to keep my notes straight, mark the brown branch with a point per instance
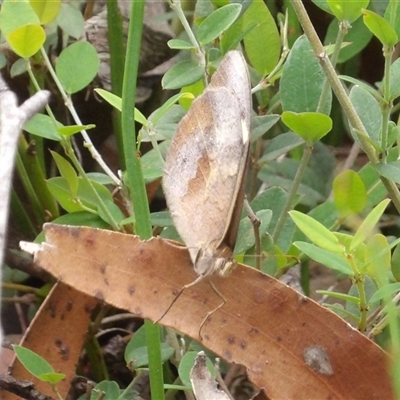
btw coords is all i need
(22, 388)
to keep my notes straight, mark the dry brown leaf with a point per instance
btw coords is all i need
(57, 333)
(291, 346)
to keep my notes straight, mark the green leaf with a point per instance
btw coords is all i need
(310, 126)
(325, 213)
(378, 256)
(261, 124)
(370, 89)
(70, 130)
(166, 126)
(81, 218)
(116, 102)
(325, 257)
(70, 20)
(373, 184)
(33, 363)
(47, 10)
(234, 35)
(385, 292)
(341, 296)
(349, 193)
(380, 28)
(59, 188)
(394, 20)
(18, 68)
(220, 3)
(152, 163)
(358, 37)
(262, 54)
(99, 177)
(302, 80)
(186, 365)
(345, 10)
(180, 44)
(76, 66)
(182, 74)
(51, 377)
(323, 5)
(368, 226)
(67, 171)
(368, 110)
(245, 238)
(106, 390)
(43, 126)
(160, 112)
(16, 13)
(136, 350)
(316, 232)
(389, 170)
(275, 198)
(218, 22)
(3, 61)
(114, 211)
(194, 90)
(395, 80)
(27, 39)
(280, 145)
(161, 218)
(395, 263)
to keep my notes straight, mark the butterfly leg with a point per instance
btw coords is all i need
(195, 282)
(212, 311)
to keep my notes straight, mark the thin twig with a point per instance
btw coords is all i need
(12, 119)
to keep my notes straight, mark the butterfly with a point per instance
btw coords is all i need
(206, 165)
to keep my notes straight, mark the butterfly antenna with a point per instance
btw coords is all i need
(213, 311)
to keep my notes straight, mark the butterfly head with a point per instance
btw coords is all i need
(209, 260)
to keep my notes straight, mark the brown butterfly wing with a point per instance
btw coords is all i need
(206, 162)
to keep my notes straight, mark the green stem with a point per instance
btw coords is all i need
(117, 60)
(37, 209)
(387, 106)
(293, 191)
(21, 217)
(127, 390)
(55, 390)
(37, 178)
(359, 281)
(177, 6)
(19, 287)
(96, 359)
(71, 155)
(135, 181)
(69, 151)
(392, 316)
(68, 103)
(343, 29)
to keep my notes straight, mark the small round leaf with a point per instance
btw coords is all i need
(76, 66)
(349, 193)
(27, 39)
(34, 363)
(218, 22)
(46, 10)
(310, 126)
(380, 28)
(182, 74)
(345, 10)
